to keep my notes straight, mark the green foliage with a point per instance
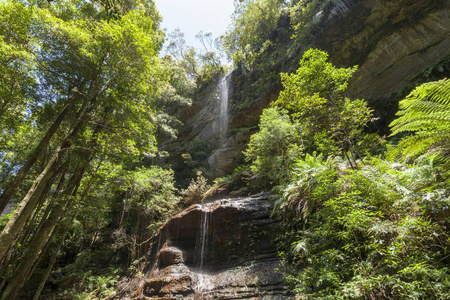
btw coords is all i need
(101, 286)
(150, 190)
(96, 61)
(426, 114)
(91, 281)
(314, 95)
(373, 235)
(201, 66)
(308, 17)
(309, 183)
(275, 147)
(16, 63)
(4, 219)
(15, 145)
(119, 59)
(194, 160)
(252, 25)
(303, 16)
(196, 190)
(210, 58)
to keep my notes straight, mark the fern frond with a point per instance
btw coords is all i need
(425, 112)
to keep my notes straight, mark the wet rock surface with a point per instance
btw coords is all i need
(220, 250)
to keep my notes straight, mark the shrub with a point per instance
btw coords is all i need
(275, 147)
(195, 192)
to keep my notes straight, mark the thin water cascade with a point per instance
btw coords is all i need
(220, 123)
(223, 111)
(205, 283)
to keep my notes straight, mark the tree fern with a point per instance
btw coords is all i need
(307, 174)
(426, 112)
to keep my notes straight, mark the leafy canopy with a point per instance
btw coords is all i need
(252, 25)
(314, 95)
(16, 63)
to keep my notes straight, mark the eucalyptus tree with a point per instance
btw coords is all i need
(98, 70)
(179, 53)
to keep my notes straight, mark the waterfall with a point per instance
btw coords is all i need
(205, 283)
(203, 238)
(223, 108)
(220, 123)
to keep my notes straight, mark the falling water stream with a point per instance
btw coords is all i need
(205, 283)
(223, 100)
(220, 124)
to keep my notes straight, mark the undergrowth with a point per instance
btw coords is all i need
(377, 232)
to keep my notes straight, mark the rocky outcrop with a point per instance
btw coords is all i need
(220, 250)
(400, 57)
(396, 44)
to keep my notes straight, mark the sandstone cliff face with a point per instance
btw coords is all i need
(221, 250)
(395, 44)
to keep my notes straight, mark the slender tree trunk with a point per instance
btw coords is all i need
(11, 257)
(19, 277)
(51, 264)
(32, 223)
(27, 206)
(17, 181)
(61, 242)
(39, 239)
(136, 237)
(30, 226)
(42, 253)
(348, 159)
(29, 202)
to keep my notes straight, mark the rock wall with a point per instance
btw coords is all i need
(220, 250)
(395, 44)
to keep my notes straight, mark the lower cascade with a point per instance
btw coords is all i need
(224, 249)
(205, 282)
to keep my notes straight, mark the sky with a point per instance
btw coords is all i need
(191, 16)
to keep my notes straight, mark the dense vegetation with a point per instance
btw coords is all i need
(358, 225)
(364, 217)
(88, 93)
(84, 100)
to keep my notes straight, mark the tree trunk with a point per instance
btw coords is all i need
(27, 206)
(31, 224)
(50, 265)
(39, 239)
(17, 181)
(42, 253)
(29, 202)
(61, 242)
(11, 257)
